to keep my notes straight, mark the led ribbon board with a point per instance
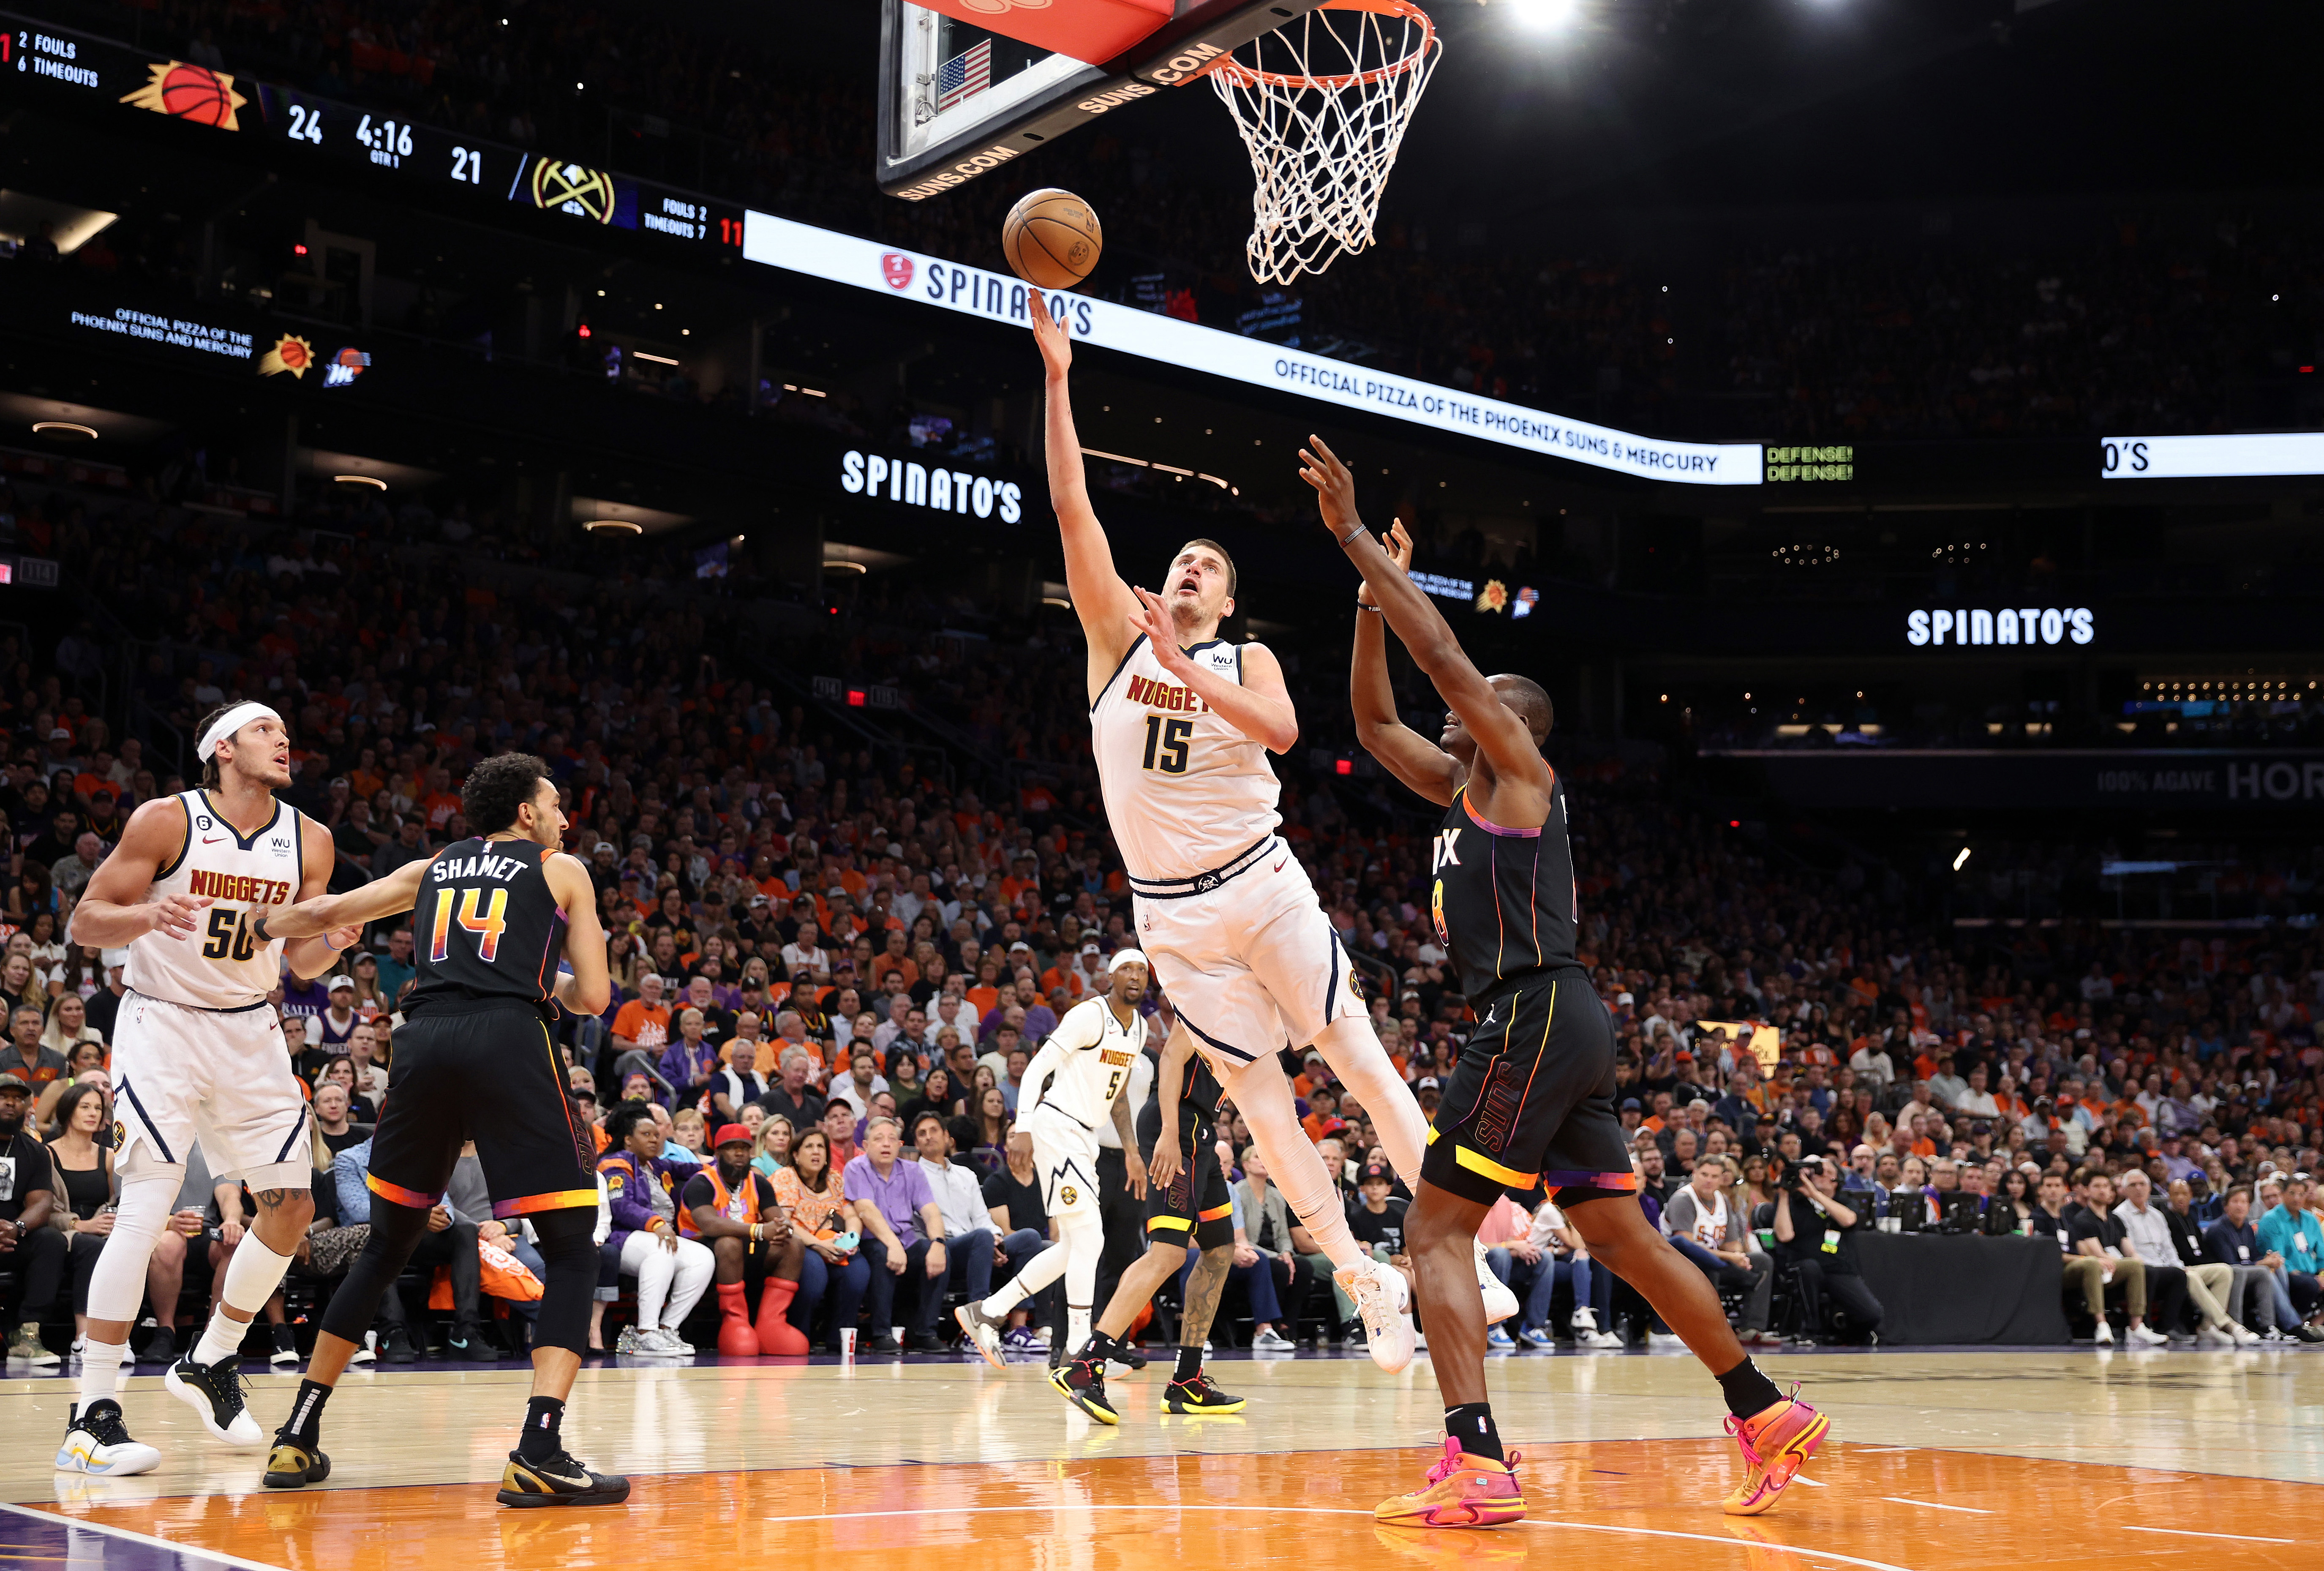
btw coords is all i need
(998, 297)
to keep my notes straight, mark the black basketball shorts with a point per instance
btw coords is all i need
(1532, 1096)
(1193, 1209)
(487, 1073)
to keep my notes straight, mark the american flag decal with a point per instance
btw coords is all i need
(964, 75)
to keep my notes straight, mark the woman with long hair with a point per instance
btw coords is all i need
(2013, 1205)
(993, 1121)
(68, 1026)
(79, 1060)
(19, 985)
(33, 891)
(1756, 1192)
(934, 1095)
(808, 1191)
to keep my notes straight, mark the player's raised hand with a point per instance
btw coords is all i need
(173, 915)
(1335, 488)
(1399, 551)
(1152, 618)
(1057, 343)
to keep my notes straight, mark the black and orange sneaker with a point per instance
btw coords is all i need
(1198, 1396)
(1082, 1384)
(559, 1480)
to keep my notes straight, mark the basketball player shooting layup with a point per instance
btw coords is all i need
(1181, 724)
(198, 1056)
(1077, 1079)
(497, 911)
(1533, 1094)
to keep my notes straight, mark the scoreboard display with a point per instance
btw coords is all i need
(40, 58)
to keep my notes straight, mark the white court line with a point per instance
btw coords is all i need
(1310, 1511)
(1811, 1483)
(2186, 1533)
(60, 1520)
(1936, 1506)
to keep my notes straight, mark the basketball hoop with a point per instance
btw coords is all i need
(1322, 105)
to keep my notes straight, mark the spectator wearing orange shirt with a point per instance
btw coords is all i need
(642, 1024)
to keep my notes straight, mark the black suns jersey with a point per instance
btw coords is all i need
(488, 925)
(1503, 900)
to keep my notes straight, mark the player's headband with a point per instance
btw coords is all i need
(227, 724)
(1127, 957)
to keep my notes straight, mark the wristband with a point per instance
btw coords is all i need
(258, 931)
(1373, 609)
(756, 1236)
(1349, 539)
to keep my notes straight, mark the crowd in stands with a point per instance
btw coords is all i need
(2142, 323)
(832, 956)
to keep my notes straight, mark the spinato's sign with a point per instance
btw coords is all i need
(2010, 624)
(929, 486)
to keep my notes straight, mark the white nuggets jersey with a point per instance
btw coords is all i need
(220, 965)
(1091, 1054)
(1185, 792)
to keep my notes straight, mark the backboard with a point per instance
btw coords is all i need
(966, 85)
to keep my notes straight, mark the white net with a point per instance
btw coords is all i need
(1322, 105)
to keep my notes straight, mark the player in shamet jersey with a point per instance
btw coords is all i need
(198, 1056)
(1076, 1080)
(1532, 1096)
(1181, 724)
(496, 914)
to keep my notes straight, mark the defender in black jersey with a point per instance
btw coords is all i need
(1186, 1200)
(1531, 1096)
(507, 934)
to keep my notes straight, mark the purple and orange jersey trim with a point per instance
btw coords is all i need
(1489, 826)
(1626, 1181)
(401, 1195)
(555, 1200)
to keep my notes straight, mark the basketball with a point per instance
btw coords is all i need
(1051, 238)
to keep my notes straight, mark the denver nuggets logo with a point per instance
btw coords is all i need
(120, 1135)
(1068, 1195)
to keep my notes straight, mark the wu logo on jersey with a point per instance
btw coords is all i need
(280, 842)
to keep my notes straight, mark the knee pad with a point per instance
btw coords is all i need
(149, 1192)
(569, 1258)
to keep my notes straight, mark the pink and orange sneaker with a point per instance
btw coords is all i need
(1777, 1443)
(1463, 1491)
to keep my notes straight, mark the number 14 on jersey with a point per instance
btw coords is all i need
(488, 918)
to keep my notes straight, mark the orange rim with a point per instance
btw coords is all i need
(1403, 9)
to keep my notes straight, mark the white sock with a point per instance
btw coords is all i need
(252, 1276)
(100, 1370)
(1077, 1327)
(1039, 1271)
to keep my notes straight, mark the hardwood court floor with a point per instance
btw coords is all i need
(1957, 1461)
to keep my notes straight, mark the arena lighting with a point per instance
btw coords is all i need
(1059, 601)
(1547, 15)
(361, 480)
(64, 428)
(844, 566)
(1961, 860)
(657, 359)
(614, 526)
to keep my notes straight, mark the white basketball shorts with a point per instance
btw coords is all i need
(1251, 965)
(1065, 1156)
(220, 1079)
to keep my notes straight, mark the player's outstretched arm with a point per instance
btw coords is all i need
(1259, 706)
(308, 957)
(1422, 765)
(588, 988)
(382, 897)
(1101, 599)
(1501, 733)
(113, 909)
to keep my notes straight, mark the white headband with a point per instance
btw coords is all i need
(1127, 957)
(232, 721)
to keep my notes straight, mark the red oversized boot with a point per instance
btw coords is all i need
(777, 1337)
(736, 1337)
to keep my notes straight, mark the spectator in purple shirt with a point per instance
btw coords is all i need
(690, 1059)
(903, 1236)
